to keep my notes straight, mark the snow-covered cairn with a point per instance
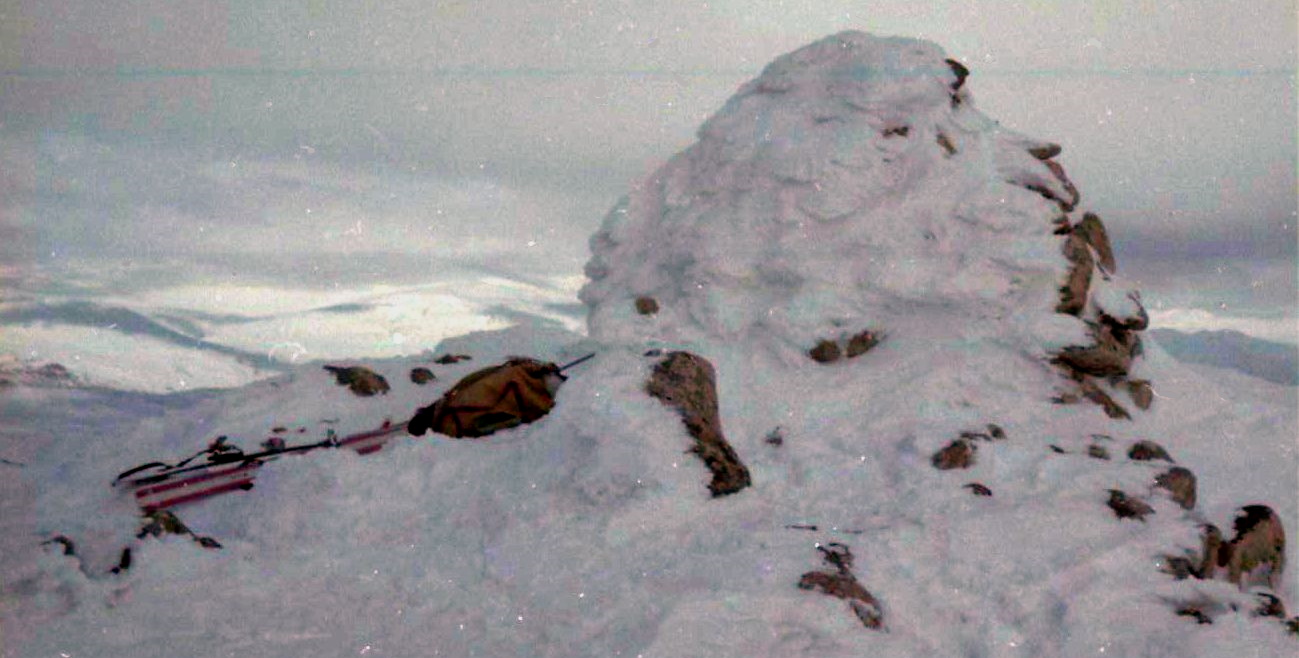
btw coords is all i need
(852, 185)
(852, 193)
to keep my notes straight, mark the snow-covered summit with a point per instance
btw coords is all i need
(850, 183)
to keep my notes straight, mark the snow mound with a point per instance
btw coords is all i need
(850, 183)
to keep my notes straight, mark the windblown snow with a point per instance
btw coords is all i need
(851, 186)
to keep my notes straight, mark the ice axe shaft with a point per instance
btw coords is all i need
(576, 362)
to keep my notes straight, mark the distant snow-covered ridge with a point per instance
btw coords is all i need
(1271, 361)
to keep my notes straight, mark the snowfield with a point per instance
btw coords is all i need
(591, 532)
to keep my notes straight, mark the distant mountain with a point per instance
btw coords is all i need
(1274, 362)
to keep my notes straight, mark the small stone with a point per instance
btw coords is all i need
(958, 454)
(946, 142)
(826, 351)
(1045, 151)
(1141, 393)
(997, 433)
(1269, 605)
(1180, 484)
(647, 305)
(978, 489)
(1148, 451)
(775, 437)
(1194, 613)
(861, 343)
(448, 359)
(898, 131)
(1098, 452)
(1127, 507)
(421, 376)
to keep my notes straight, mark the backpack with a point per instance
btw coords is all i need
(513, 393)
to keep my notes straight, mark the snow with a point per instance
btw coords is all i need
(591, 531)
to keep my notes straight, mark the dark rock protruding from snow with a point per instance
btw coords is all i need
(1257, 551)
(1180, 484)
(361, 380)
(1144, 451)
(841, 583)
(958, 454)
(687, 383)
(421, 376)
(1129, 507)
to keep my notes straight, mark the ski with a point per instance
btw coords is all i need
(230, 471)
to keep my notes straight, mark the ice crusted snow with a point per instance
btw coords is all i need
(591, 531)
(826, 196)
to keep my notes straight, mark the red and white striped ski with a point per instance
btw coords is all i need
(164, 490)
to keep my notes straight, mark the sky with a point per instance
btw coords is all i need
(308, 144)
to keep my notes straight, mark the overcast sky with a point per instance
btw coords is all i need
(172, 129)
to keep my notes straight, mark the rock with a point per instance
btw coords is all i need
(1194, 613)
(1142, 394)
(1098, 452)
(647, 305)
(361, 380)
(686, 382)
(1269, 605)
(1045, 151)
(1093, 392)
(421, 376)
(1072, 197)
(1143, 451)
(826, 351)
(997, 433)
(958, 454)
(979, 489)
(775, 437)
(897, 131)
(448, 359)
(1109, 356)
(946, 142)
(1177, 566)
(1257, 552)
(1180, 484)
(861, 343)
(841, 583)
(1073, 295)
(1093, 231)
(1128, 507)
(1210, 547)
(1292, 626)
(961, 74)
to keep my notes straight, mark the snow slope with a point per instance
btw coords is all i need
(591, 532)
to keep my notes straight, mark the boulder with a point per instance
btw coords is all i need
(1257, 552)
(687, 383)
(1073, 294)
(361, 380)
(1093, 232)
(1109, 356)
